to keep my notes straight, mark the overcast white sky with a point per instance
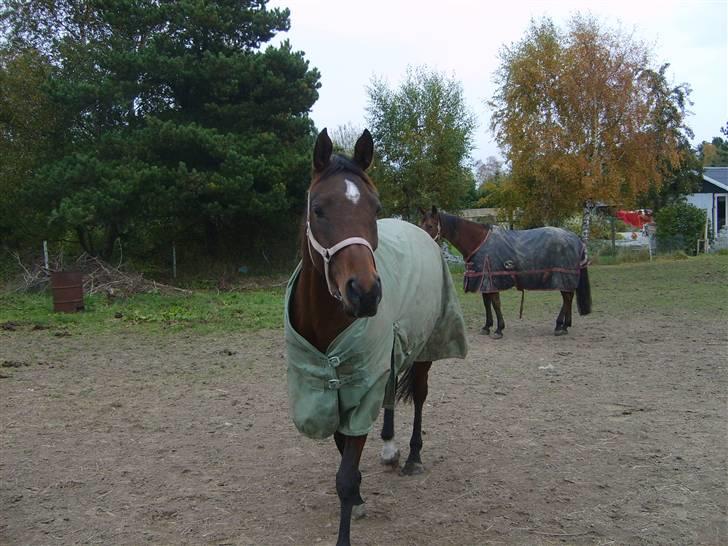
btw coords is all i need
(352, 41)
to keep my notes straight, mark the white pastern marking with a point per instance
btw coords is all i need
(352, 192)
(389, 450)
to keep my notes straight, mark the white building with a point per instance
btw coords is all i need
(713, 197)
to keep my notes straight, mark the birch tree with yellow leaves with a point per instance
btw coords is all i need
(582, 117)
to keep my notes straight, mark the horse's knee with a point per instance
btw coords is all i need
(348, 486)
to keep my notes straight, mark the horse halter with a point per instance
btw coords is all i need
(328, 253)
(436, 238)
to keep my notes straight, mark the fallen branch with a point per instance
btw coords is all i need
(99, 277)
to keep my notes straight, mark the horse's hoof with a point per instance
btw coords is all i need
(497, 335)
(358, 511)
(411, 469)
(561, 332)
(389, 459)
(485, 331)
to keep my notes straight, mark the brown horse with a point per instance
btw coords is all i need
(533, 259)
(355, 283)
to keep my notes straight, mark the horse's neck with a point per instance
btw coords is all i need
(466, 236)
(317, 315)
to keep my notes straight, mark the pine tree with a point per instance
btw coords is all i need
(179, 125)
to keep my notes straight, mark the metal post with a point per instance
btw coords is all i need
(45, 254)
(614, 235)
(174, 261)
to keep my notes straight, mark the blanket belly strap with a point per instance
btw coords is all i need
(336, 383)
(533, 272)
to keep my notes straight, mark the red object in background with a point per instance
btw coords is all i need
(636, 218)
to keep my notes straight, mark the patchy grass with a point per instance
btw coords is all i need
(205, 311)
(695, 286)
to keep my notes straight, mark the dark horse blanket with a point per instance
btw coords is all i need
(533, 259)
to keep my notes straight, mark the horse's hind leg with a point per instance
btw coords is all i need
(488, 315)
(348, 480)
(495, 298)
(568, 300)
(389, 454)
(419, 395)
(563, 321)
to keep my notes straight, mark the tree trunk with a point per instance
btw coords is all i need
(211, 238)
(84, 239)
(112, 233)
(586, 220)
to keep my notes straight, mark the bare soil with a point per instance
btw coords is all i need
(614, 434)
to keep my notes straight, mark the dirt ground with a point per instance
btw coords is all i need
(614, 434)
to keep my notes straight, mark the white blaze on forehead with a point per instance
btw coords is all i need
(352, 192)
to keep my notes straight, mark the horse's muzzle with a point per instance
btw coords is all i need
(362, 302)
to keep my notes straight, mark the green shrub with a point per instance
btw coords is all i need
(679, 226)
(600, 227)
(679, 255)
(607, 256)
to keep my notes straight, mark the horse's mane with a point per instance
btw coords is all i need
(341, 164)
(450, 222)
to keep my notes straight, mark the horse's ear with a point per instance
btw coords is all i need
(364, 150)
(434, 210)
(322, 151)
(422, 211)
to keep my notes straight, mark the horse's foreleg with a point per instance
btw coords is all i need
(390, 453)
(563, 321)
(419, 395)
(348, 480)
(495, 298)
(488, 315)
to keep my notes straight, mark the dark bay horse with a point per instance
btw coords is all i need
(369, 301)
(533, 259)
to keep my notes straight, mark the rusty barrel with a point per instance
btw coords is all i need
(67, 289)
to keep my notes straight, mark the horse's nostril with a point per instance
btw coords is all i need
(352, 289)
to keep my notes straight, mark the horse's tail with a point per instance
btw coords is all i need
(583, 293)
(406, 385)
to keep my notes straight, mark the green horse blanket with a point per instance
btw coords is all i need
(418, 319)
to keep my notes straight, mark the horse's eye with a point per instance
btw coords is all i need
(318, 211)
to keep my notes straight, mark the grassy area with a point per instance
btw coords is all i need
(204, 311)
(696, 286)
